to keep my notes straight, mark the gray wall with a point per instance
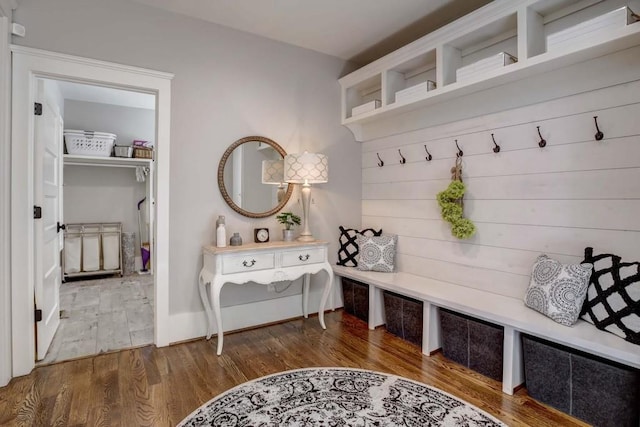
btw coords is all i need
(227, 85)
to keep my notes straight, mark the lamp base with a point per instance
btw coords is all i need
(306, 239)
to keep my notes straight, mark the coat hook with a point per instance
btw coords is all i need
(380, 163)
(599, 134)
(543, 142)
(459, 153)
(429, 156)
(402, 159)
(496, 148)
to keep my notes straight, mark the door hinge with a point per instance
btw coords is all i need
(37, 212)
(38, 315)
(37, 108)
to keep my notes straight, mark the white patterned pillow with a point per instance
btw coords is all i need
(558, 290)
(377, 253)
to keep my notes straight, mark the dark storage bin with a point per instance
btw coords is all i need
(356, 298)
(474, 343)
(404, 317)
(596, 390)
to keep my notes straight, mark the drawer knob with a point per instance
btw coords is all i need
(303, 257)
(249, 263)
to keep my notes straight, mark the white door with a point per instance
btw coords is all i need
(47, 196)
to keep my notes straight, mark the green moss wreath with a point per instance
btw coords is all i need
(451, 206)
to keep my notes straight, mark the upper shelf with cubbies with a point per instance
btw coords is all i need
(504, 41)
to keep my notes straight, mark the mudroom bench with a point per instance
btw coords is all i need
(507, 312)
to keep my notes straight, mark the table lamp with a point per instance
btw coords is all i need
(306, 168)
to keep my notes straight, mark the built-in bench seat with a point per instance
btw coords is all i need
(511, 313)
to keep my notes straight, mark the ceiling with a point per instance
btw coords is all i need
(105, 95)
(355, 30)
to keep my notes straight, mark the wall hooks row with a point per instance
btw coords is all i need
(599, 136)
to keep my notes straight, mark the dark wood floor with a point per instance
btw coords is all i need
(160, 386)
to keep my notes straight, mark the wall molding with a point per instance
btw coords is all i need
(5, 189)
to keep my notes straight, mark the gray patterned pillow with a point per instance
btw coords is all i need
(377, 253)
(558, 290)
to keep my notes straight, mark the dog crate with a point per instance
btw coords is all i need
(92, 249)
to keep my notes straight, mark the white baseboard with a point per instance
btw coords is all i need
(186, 326)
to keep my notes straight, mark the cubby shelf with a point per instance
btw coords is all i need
(519, 28)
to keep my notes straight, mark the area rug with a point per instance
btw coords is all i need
(336, 397)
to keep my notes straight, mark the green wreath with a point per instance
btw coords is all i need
(450, 202)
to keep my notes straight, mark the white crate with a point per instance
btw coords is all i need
(415, 91)
(89, 143)
(365, 108)
(485, 65)
(609, 21)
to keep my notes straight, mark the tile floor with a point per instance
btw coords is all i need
(101, 315)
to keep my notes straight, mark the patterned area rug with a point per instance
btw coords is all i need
(336, 397)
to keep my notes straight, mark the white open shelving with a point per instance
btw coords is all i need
(70, 159)
(517, 27)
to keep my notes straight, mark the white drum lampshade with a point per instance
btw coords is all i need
(306, 168)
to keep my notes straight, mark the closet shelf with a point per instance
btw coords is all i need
(70, 159)
(519, 28)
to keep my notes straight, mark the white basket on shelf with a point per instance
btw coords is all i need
(89, 143)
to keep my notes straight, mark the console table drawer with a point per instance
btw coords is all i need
(302, 257)
(244, 263)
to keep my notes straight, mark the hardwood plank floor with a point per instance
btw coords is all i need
(151, 386)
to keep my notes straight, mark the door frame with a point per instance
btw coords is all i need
(28, 65)
(6, 11)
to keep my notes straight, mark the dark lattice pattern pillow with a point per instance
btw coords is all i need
(348, 251)
(613, 297)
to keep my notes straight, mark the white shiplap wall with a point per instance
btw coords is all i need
(575, 192)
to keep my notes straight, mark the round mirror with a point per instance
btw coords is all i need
(251, 177)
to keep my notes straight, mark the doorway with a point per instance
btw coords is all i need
(29, 65)
(106, 294)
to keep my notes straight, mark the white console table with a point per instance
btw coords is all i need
(262, 263)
